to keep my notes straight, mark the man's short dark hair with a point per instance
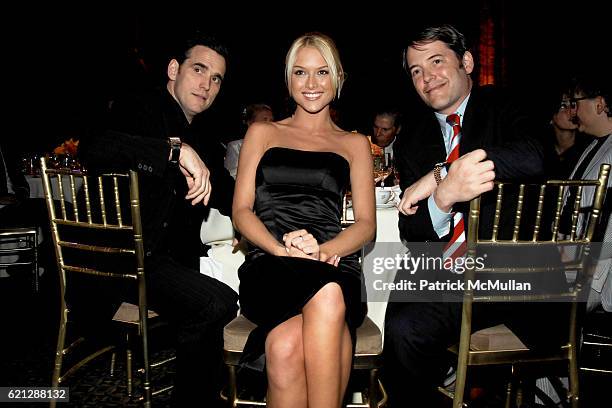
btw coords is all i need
(182, 51)
(594, 85)
(448, 34)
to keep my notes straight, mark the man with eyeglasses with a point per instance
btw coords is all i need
(591, 109)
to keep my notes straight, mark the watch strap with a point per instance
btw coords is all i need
(438, 171)
(175, 149)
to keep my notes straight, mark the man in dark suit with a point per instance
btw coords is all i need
(484, 134)
(153, 133)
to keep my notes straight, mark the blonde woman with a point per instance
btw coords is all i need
(301, 282)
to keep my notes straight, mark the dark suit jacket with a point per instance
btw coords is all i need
(136, 137)
(493, 122)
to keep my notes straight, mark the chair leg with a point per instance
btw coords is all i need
(232, 395)
(112, 364)
(59, 351)
(128, 365)
(146, 381)
(519, 394)
(510, 388)
(509, 392)
(35, 249)
(460, 385)
(373, 389)
(573, 379)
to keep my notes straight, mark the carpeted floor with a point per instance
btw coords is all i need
(27, 351)
(28, 336)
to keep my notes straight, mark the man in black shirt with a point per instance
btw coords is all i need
(152, 133)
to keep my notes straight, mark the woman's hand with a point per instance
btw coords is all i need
(301, 244)
(332, 260)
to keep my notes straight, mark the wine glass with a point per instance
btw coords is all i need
(383, 169)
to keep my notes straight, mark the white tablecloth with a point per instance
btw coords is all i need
(387, 243)
(37, 191)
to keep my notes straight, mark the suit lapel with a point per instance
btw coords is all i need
(468, 141)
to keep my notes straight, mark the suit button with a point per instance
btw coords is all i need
(145, 167)
(139, 166)
(148, 253)
(150, 169)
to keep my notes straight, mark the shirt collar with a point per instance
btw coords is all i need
(447, 130)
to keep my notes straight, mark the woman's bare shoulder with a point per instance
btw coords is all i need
(261, 133)
(353, 142)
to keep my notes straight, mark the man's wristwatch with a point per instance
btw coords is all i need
(175, 149)
(437, 169)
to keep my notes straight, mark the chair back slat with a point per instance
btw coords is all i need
(498, 202)
(87, 203)
(102, 203)
(558, 207)
(60, 191)
(73, 192)
(538, 220)
(575, 211)
(519, 212)
(117, 201)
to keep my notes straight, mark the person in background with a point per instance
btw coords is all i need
(590, 106)
(386, 127)
(301, 281)
(565, 143)
(256, 112)
(153, 133)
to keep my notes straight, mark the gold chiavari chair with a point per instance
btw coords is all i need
(101, 240)
(498, 345)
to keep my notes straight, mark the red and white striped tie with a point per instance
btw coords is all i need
(456, 247)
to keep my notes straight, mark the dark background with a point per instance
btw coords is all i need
(66, 63)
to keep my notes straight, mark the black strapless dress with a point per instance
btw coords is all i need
(296, 189)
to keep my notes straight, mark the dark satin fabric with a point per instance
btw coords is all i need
(296, 189)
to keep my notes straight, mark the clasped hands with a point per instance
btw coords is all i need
(468, 177)
(302, 244)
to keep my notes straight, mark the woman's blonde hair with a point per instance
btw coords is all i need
(329, 52)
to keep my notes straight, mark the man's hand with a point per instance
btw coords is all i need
(468, 177)
(420, 190)
(197, 175)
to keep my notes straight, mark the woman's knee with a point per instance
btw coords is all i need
(284, 357)
(328, 302)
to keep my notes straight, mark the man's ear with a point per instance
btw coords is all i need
(173, 69)
(468, 62)
(602, 106)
